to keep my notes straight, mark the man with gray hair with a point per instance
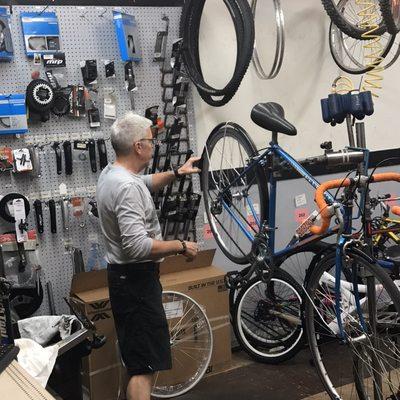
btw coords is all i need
(134, 249)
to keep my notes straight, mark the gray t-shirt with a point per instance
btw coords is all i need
(127, 215)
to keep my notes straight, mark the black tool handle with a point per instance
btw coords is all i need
(57, 150)
(155, 159)
(68, 157)
(92, 155)
(102, 150)
(37, 204)
(53, 216)
(182, 182)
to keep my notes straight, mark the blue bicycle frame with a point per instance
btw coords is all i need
(277, 151)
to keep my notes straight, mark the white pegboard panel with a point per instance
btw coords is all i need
(86, 33)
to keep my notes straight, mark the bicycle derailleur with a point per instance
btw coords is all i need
(260, 260)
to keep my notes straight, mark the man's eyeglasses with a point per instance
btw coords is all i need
(154, 142)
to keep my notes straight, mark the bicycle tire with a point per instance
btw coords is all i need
(235, 132)
(243, 20)
(357, 71)
(270, 343)
(391, 21)
(315, 336)
(282, 263)
(344, 25)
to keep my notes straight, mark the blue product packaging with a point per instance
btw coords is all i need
(6, 46)
(127, 36)
(13, 114)
(41, 33)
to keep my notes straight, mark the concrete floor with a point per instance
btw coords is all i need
(295, 379)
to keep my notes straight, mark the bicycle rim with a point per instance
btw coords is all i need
(191, 346)
(268, 318)
(368, 359)
(349, 53)
(226, 155)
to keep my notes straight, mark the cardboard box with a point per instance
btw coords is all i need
(199, 280)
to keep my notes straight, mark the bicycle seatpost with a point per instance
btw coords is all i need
(360, 133)
(350, 132)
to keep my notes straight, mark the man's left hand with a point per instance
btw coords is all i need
(188, 168)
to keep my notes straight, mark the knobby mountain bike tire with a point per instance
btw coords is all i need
(390, 10)
(371, 353)
(347, 27)
(267, 318)
(227, 152)
(243, 20)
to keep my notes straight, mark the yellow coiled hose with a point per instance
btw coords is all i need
(369, 20)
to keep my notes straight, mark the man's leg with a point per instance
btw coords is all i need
(139, 387)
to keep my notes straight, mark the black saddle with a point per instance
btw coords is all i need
(271, 117)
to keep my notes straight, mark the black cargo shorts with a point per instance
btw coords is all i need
(139, 317)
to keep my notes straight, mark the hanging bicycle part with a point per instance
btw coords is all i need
(279, 46)
(390, 11)
(346, 18)
(243, 20)
(348, 53)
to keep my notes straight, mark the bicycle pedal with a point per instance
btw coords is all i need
(233, 279)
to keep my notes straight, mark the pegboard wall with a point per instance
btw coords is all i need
(86, 33)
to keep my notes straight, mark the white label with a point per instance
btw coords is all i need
(18, 206)
(63, 189)
(173, 309)
(300, 200)
(205, 218)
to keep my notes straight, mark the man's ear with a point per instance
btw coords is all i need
(137, 147)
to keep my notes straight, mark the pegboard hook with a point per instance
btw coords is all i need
(102, 14)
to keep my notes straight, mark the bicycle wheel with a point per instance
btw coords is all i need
(390, 10)
(369, 356)
(345, 16)
(226, 155)
(296, 264)
(350, 54)
(191, 346)
(267, 320)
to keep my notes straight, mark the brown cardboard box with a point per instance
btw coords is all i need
(198, 279)
(204, 283)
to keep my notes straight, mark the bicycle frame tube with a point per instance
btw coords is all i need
(282, 155)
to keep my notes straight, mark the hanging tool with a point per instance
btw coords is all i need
(77, 261)
(68, 157)
(92, 155)
(34, 152)
(181, 200)
(64, 205)
(37, 205)
(53, 216)
(130, 83)
(57, 150)
(192, 208)
(161, 42)
(102, 150)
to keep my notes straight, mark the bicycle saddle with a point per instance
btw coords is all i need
(271, 117)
